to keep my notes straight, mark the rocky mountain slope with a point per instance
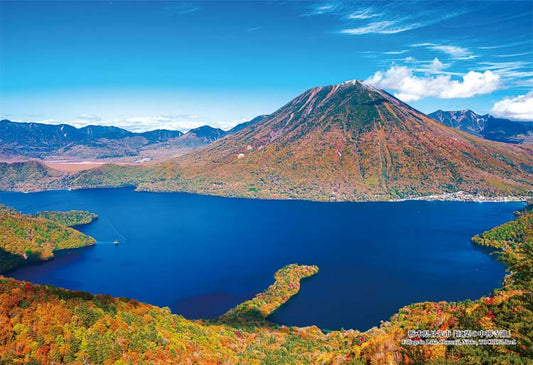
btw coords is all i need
(486, 126)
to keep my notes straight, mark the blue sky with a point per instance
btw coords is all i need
(145, 65)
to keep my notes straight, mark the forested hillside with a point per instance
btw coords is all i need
(26, 238)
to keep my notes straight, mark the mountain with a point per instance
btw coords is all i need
(241, 126)
(184, 143)
(350, 142)
(202, 136)
(55, 136)
(92, 132)
(207, 133)
(505, 130)
(486, 126)
(340, 142)
(465, 120)
(196, 138)
(30, 174)
(161, 135)
(38, 140)
(22, 141)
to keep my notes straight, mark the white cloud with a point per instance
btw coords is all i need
(364, 14)
(436, 65)
(395, 52)
(456, 52)
(359, 18)
(181, 8)
(410, 87)
(518, 108)
(180, 122)
(90, 118)
(511, 70)
(226, 125)
(383, 27)
(514, 55)
(322, 8)
(506, 45)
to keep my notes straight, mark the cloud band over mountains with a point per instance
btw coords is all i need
(410, 87)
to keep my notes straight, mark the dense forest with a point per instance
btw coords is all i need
(71, 218)
(25, 238)
(42, 324)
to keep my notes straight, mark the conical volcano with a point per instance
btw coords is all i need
(351, 141)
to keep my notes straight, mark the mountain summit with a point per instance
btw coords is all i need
(350, 141)
(465, 120)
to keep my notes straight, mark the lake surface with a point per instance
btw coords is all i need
(202, 255)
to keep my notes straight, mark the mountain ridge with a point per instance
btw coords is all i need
(29, 140)
(486, 126)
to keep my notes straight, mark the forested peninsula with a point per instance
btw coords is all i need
(30, 238)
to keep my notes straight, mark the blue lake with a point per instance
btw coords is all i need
(202, 255)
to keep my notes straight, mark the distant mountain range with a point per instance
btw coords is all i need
(349, 141)
(64, 142)
(486, 126)
(22, 141)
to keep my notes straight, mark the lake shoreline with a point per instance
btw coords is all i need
(458, 196)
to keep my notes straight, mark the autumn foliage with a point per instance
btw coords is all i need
(34, 238)
(46, 325)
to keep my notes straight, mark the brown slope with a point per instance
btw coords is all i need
(351, 142)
